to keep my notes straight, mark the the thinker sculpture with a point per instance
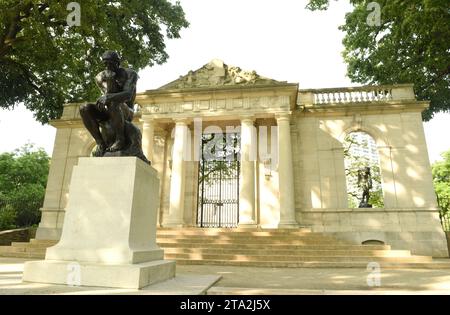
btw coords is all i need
(365, 183)
(109, 120)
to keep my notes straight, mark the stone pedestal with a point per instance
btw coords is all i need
(109, 233)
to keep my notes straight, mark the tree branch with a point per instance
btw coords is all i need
(14, 27)
(26, 73)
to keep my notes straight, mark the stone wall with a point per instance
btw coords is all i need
(405, 168)
(70, 144)
(417, 230)
(410, 218)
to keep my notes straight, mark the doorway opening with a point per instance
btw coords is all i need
(218, 181)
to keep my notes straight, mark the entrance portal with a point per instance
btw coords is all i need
(218, 181)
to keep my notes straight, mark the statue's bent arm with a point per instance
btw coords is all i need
(129, 89)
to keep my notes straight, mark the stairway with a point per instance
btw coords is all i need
(33, 249)
(280, 248)
(260, 248)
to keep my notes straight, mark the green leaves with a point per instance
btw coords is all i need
(24, 166)
(410, 46)
(441, 181)
(314, 5)
(46, 63)
(441, 177)
(23, 177)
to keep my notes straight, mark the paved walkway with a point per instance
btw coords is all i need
(198, 279)
(247, 280)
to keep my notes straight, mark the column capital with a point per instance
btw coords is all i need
(283, 116)
(147, 120)
(247, 119)
(182, 121)
(146, 117)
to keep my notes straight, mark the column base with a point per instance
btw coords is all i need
(248, 225)
(288, 225)
(173, 225)
(127, 276)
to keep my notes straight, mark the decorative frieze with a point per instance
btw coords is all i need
(254, 103)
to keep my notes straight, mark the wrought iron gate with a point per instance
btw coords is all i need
(218, 181)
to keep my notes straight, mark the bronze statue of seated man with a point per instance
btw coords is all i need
(365, 184)
(109, 120)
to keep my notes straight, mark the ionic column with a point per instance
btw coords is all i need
(177, 180)
(148, 132)
(285, 173)
(247, 210)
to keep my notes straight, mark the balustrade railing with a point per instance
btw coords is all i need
(363, 94)
(345, 96)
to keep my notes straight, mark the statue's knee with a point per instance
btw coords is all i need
(84, 109)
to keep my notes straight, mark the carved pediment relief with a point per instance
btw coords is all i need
(217, 73)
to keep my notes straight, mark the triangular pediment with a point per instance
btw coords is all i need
(216, 74)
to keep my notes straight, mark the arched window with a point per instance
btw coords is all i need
(362, 170)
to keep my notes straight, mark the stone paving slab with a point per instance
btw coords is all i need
(11, 284)
(253, 291)
(318, 279)
(230, 280)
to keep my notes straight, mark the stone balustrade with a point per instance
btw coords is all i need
(360, 94)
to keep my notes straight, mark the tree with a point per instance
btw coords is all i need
(46, 61)
(23, 177)
(441, 181)
(409, 45)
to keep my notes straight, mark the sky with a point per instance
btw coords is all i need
(279, 39)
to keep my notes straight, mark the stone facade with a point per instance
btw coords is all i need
(301, 182)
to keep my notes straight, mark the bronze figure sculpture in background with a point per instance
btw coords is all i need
(109, 120)
(365, 183)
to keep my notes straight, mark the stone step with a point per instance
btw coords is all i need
(317, 264)
(23, 255)
(243, 233)
(219, 242)
(312, 252)
(246, 238)
(233, 245)
(229, 245)
(231, 230)
(30, 245)
(249, 241)
(294, 258)
(276, 249)
(13, 249)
